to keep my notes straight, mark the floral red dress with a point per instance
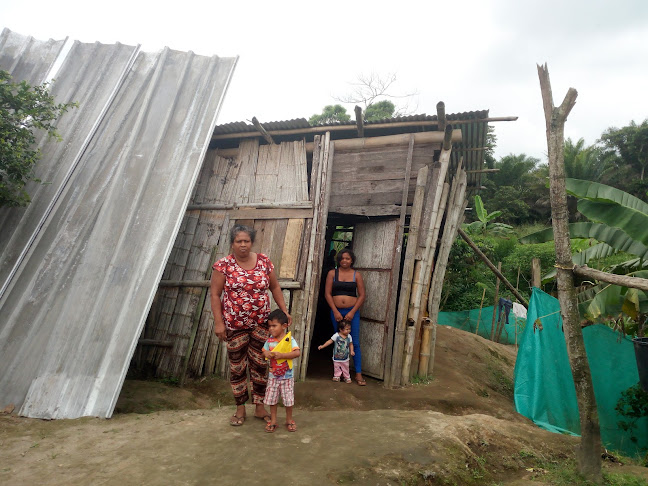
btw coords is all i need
(245, 301)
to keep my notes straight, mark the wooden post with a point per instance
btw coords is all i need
(395, 340)
(589, 452)
(441, 116)
(536, 278)
(496, 302)
(481, 304)
(359, 121)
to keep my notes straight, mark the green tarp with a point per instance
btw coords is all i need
(544, 387)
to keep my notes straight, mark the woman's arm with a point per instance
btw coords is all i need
(217, 285)
(277, 295)
(360, 300)
(328, 289)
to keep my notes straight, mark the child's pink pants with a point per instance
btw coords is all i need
(341, 368)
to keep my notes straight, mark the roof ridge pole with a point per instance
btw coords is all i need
(262, 130)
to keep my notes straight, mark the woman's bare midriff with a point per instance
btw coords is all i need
(344, 301)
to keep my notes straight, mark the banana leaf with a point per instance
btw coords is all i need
(600, 192)
(614, 237)
(631, 221)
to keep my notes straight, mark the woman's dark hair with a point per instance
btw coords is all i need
(239, 228)
(342, 324)
(278, 315)
(338, 258)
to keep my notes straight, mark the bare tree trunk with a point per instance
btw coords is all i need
(589, 452)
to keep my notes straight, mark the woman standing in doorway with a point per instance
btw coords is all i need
(345, 294)
(240, 304)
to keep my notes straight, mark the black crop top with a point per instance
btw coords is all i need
(344, 288)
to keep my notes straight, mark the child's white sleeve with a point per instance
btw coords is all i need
(334, 337)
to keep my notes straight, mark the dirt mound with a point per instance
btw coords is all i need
(460, 428)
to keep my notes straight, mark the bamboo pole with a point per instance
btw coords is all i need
(359, 121)
(424, 359)
(409, 351)
(262, 130)
(352, 127)
(395, 340)
(622, 280)
(454, 217)
(407, 278)
(496, 302)
(490, 265)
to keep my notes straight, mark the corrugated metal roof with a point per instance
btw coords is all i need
(81, 264)
(299, 123)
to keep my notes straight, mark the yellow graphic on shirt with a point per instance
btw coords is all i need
(284, 346)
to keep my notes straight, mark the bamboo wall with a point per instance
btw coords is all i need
(181, 315)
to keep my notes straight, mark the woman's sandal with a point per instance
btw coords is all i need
(236, 421)
(361, 382)
(270, 428)
(291, 426)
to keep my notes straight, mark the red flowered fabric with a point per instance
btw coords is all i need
(245, 300)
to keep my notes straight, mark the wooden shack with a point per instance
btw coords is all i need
(398, 186)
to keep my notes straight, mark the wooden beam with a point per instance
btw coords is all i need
(622, 280)
(482, 171)
(359, 121)
(441, 116)
(350, 128)
(448, 137)
(275, 205)
(262, 130)
(284, 284)
(490, 265)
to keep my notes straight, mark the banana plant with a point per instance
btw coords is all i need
(618, 223)
(485, 222)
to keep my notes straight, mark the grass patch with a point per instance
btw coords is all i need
(422, 380)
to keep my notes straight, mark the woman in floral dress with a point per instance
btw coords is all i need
(240, 304)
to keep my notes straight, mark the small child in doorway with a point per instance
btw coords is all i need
(280, 376)
(342, 349)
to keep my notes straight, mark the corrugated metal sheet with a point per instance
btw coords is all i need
(298, 123)
(76, 300)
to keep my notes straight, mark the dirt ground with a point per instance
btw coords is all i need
(461, 428)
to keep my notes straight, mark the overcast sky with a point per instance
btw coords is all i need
(294, 56)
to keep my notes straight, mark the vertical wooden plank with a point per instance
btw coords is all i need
(290, 251)
(318, 233)
(395, 353)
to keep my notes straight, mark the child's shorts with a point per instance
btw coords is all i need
(276, 387)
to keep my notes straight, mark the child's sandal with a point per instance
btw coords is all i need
(291, 426)
(336, 378)
(270, 428)
(348, 380)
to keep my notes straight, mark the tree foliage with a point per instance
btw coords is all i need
(630, 145)
(379, 110)
(330, 114)
(24, 110)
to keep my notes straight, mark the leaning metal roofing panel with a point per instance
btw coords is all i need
(74, 309)
(27, 58)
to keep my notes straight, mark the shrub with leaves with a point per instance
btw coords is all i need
(24, 109)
